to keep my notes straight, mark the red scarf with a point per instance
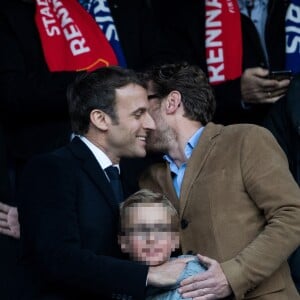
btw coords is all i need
(71, 39)
(223, 40)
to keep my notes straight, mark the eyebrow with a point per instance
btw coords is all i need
(139, 110)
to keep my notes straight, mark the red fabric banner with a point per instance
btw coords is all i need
(223, 40)
(71, 39)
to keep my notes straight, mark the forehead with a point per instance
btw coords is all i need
(131, 97)
(154, 213)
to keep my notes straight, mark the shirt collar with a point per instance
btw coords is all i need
(100, 156)
(189, 147)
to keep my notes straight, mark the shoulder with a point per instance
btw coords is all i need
(245, 131)
(60, 162)
(244, 141)
(243, 128)
(235, 132)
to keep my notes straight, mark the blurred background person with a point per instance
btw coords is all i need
(222, 35)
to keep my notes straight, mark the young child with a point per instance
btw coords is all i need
(149, 232)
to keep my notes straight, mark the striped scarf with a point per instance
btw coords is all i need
(223, 40)
(292, 35)
(70, 37)
(100, 12)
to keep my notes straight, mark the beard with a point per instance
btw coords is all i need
(159, 139)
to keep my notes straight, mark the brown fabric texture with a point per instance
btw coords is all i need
(240, 206)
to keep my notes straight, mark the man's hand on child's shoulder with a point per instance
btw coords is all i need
(167, 273)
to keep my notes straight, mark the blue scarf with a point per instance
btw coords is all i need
(100, 11)
(292, 35)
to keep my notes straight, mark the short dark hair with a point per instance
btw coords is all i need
(145, 196)
(197, 95)
(97, 90)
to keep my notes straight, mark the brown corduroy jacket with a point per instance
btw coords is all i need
(239, 205)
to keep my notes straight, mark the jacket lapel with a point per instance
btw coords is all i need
(197, 160)
(172, 196)
(94, 171)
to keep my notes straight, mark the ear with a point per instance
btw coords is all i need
(99, 119)
(173, 101)
(175, 241)
(123, 243)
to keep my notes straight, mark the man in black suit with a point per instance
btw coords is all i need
(35, 98)
(33, 107)
(68, 209)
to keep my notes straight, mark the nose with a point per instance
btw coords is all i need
(151, 238)
(149, 122)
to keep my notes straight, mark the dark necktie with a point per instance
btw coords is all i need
(114, 177)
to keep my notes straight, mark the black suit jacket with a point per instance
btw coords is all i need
(69, 224)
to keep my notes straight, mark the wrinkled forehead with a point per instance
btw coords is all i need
(154, 213)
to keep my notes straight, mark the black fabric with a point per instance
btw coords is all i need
(284, 122)
(115, 181)
(33, 106)
(69, 226)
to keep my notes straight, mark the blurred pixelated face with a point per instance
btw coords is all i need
(148, 235)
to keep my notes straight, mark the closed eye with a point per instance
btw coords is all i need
(138, 113)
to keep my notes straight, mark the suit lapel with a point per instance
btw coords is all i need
(94, 171)
(197, 160)
(172, 195)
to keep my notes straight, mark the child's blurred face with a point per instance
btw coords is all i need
(148, 235)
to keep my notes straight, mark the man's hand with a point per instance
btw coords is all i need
(211, 284)
(9, 223)
(167, 273)
(257, 88)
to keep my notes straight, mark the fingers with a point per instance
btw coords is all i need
(194, 283)
(206, 285)
(206, 260)
(211, 284)
(198, 290)
(271, 97)
(271, 84)
(258, 71)
(274, 88)
(206, 297)
(3, 216)
(9, 225)
(202, 277)
(4, 224)
(197, 281)
(269, 94)
(9, 233)
(4, 207)
(199, 295)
